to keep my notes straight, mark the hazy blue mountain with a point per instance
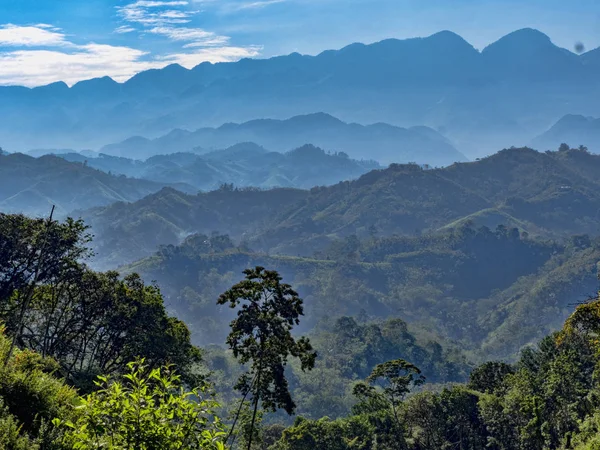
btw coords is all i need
(32, 185)
(571, 129)
(504, 95)
(529, 55)
(553, 194)
(381, 142)
(243, 165)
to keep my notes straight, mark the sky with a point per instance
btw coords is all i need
(43, 41)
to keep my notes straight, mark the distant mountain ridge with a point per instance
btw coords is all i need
(501, 96)
(242, 165)
(381, 142)
(33, 185)
(546, 194)
(573, 129)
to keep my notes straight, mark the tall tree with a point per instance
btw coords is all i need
(261, 336)
(395, 379)
(97, 323)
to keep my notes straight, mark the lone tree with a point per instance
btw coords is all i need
(261, 336)
(394, 379)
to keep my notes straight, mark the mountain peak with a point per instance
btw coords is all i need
(320, 118)
(523, 38)
(573, 119)
(448, 36)
(96, 83)
(58, 85)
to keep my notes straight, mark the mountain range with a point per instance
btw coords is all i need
(32, 185)
(243, 165)
(504, 95)
(75, 181)
(571, 129)
(381, 142)
(550, 195)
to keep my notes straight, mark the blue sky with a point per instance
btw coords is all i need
(42, 41)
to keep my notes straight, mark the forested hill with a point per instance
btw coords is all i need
(382, 142)
(33, 185)
(549, 194)
(95, 360)
(244, 164)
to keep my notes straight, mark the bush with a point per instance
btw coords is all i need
(144, 410)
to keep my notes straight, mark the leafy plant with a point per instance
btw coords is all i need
(146, 409)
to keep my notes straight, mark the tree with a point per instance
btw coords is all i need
(22, 241)
(564, 147)
(145, 410)
(395, 379)
(96, 323)
(261, 335)
(489, 377)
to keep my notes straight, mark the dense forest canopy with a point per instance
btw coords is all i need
(354, 382)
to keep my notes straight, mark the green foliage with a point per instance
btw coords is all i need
(261, 335)
(90, 323)
(96, 323)
(353, 433)
(489, 377)
(30, 397)
(21, 241)
(145, 409)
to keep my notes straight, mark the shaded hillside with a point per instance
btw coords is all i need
(545, 194)
(243, 165)
(503, 95)
(33, 185)
(381, 142)
(125, 232)
(492, 291)
(572, 129)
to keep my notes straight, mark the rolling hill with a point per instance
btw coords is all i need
(244, 165)
(380, 142)
(492, 292)
(32, 185)
(547, 194)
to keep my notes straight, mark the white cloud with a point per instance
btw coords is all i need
(40, 35)
(44, 54)
(256, 5)
(124, 29)
(196, 36)
(168, 23)
(213, 55)
(40, 67)
(148, 13)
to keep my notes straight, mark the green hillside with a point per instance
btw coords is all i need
(550, 195)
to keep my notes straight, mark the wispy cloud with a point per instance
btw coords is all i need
(124, 29)
(256, 5)
(196, 37)
(39, 54)
(150, 12)
(41, 35)
(171, 19)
